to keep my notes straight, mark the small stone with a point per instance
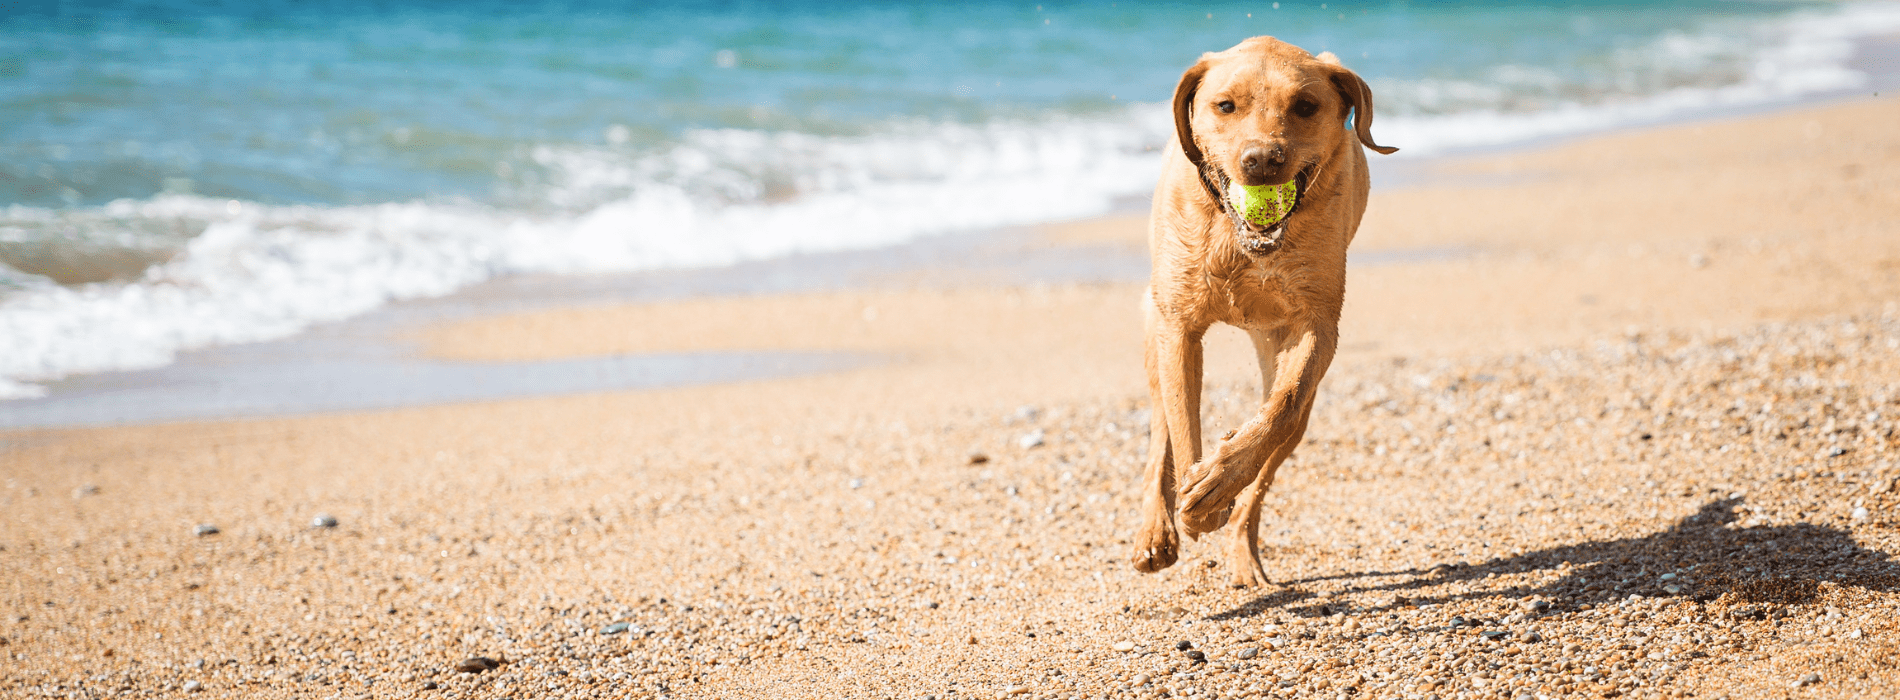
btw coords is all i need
(1860, 513)
(193, 686)
(1124, 646)
(1533, 637)
(1672, 589)
(1495, 634)
(430, 685)
(615, 628)
(477, 664)
(323, 520)
(1248, 653)
(1834, 451)
(1183, 645)
(1031, 439)
(1017, 690)
(857, 483)
(1196, 656)
(1855, 634)
(1537, 606)
(205, 530)
(1668, 577)
(978, 458)
(1139, 679)
(1807, 680)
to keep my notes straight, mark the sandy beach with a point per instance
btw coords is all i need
(1613, 417)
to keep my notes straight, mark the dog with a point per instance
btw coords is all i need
(1261, 113)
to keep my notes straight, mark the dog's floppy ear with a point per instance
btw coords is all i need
(1359, 98)
(1184, 108)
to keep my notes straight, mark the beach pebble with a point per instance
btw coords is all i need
(1248, 653)
(430, 685)
(323, 520)
(1124, 646)
(477, 664)
(1807, 680)
(1183, 645)
(193, 686)
(979, 458)
(205, 530)
(1196, 656)
(1860, 513)
(1537, 606)
(615, 628)
(1032, 439)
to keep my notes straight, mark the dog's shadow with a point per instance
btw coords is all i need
(1781, 564)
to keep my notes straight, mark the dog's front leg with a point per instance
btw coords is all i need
(1173, 359)
(1208, 491)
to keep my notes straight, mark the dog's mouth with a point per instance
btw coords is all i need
(1257, 239)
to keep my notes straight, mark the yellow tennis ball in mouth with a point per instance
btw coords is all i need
(1264, 205)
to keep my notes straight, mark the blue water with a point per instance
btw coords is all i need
(183, 174)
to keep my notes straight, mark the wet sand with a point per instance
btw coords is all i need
(1635, 438)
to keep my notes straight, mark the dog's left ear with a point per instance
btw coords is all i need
(1359, 97)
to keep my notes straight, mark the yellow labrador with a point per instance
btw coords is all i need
(1261, 113)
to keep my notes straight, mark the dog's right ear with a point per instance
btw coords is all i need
(1184, 110)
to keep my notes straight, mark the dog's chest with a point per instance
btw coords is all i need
(1256, 297)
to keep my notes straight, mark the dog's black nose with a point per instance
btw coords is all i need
(1263, 162)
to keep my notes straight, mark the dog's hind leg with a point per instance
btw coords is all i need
(1243, 544)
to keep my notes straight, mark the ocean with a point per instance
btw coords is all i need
(182, 175)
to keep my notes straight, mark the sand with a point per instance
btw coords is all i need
(1613, 418)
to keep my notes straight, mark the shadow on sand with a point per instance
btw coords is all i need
(1775, 565)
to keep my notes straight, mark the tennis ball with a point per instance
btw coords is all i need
(1264, 205)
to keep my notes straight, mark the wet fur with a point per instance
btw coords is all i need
(1205, 271)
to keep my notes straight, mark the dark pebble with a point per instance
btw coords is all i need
(978, 458)
(1196, 656)
(1183, 645)
(323, 520)
(477, 664)
(205, 530)
(429, 685)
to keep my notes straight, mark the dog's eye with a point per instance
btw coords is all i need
(1225, 106)
(1305, 108)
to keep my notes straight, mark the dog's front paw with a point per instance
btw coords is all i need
(1208, 498)
(1156, 548)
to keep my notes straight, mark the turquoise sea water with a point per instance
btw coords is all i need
(180, 174)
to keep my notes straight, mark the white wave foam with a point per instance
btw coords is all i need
(1800, 55)
(259, 272)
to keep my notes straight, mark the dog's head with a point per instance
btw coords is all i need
(1266, 112)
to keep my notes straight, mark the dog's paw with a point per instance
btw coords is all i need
(1156, 552)
(1208, 499)
(1246, 574)
(1243, 567)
